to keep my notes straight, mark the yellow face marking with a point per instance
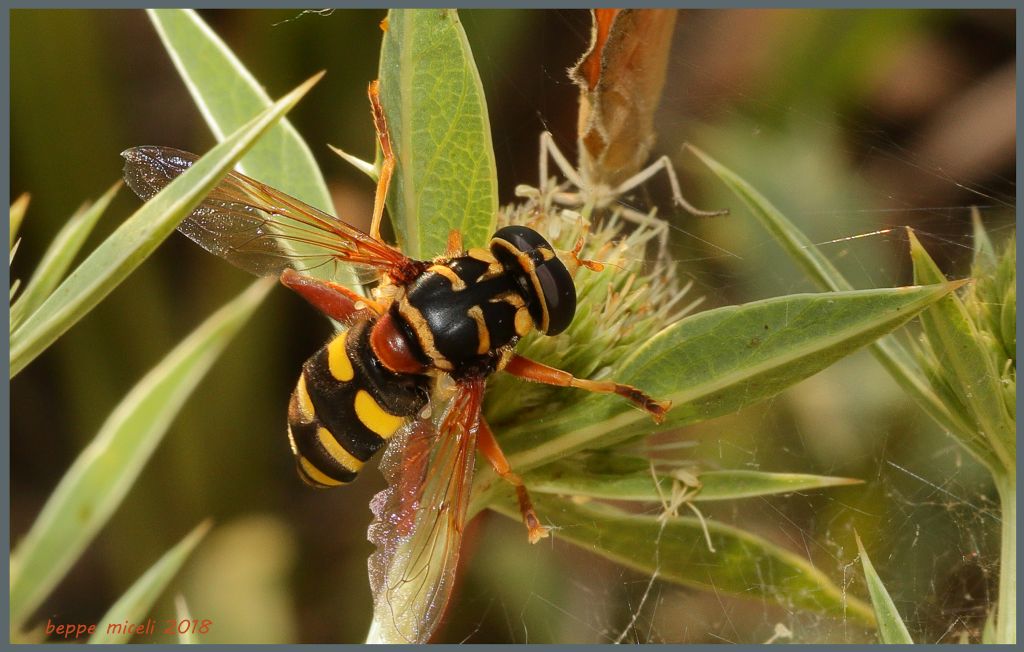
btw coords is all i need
(545, 319)
(523, 322)
(337, 359)
(423, 334)
(316, 475)
(335, 450)
(546, 253)
(476, 313)
(302, 400)
(448, 273)
(374, 417)
(526, 263)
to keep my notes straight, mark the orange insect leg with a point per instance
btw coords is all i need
(540, 373)
(380, 124)
(336, 301)
(488, 445)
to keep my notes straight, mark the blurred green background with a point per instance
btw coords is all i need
(852, 122)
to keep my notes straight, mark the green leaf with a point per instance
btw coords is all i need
(717, 362)
(967, 368)
(227, 94)
(137, 237)
(181, 610)
(445, 175)
(134, 606)
(890, 625)
(59, 256)
(103, 473)
(17, 214)
(675, 549)
(889, 352)
(631, 478)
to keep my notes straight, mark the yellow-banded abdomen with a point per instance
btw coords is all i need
(346, 406)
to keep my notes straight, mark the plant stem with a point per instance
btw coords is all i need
(1006, 617)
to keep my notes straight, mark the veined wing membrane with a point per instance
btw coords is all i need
(255, 227)
(420, 518)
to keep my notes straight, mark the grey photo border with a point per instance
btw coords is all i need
(5, 141)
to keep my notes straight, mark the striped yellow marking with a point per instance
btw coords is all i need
(511, 298)
(291, 442)
(448, 273)
(481, 254)
(316, 475)
(374, 417)
(523, 322)
(483, 334)
(337, 359)
(494, 270)
(334, 449)
(306, 410)
(426, 338)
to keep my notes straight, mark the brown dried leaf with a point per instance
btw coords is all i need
(621, 77)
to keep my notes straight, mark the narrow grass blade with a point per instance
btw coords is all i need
(227, 94)
(1006, 620)
(984, 252)
(134, 606)
(890, 625)
(134, 240)
(967, 368)
(675, 550)
(631, 478)
(367, 168)
(188, 637)
(17, 214)
(717, 362)
(988, 632)
(889, 352)
(59, 256)
(430, 89)
(103, 473)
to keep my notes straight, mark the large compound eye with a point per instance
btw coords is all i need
(559, 295)
(553, 294)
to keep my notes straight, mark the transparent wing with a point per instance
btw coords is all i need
(255, 227)
(420, 517)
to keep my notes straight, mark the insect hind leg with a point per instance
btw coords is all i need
(664, 163)
(541, 373)
(488, 446)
